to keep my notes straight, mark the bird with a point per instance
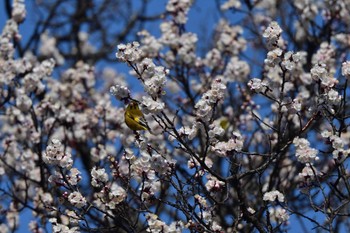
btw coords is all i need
(134, 117)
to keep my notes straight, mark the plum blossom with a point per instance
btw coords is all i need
(12, 216)
(213, 58)
(339, 153)
(230, 4)
(120, 92)
(100, 152)
(18, 11)
(237, 70)
(233, 144)
(154, 77)
(179, 9)
(9, 31)
(345, 69)
(49, 49)
(257, 85)
(23, 102)
(170, 34)
(294, 63)
(58, 227)
(304, 153)
(77, 199)
(189, 131)
(74, 177)
(333, 97)
(33, 226)
(86, 47)
(215, 130)
(273, 57)
(57, 179)
(149, 190)
(308, 9)
(325, 55)
(187, 47)
(150, 45)
(154, 224)
(99, 177)
(308, 172)
(201, 200)
(55, 155)
(273, 195)
(154, 86)
(278, 215)
(129, 52)
(205, 105)
(213, 184)
(320, 72)
(230, 38)
(34, 81)
(152, 106)
(272, 33)
(203, 109)
(297, 104)
(116, 195)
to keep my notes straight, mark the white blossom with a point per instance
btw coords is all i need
(308, 171)
(213, 58)
(201, 200)
(333, 96)
(150, 45)
(49, 49)
(345, 69)
(236, 70)
(230, 38)
(213, 184)
(154, 86)
(337, 142)
(213, 96)
(215, 130)
(23, 102)
(129, 52)
(116, 195)
(98, 153)
(257, 85)
(154, 224)
(77, 199)
(58, 227)
(55, 155)
(74, 177)
(272, 33)
(99, 177)
(152, 106)
(297, 104)
(233, 144)
(273, 195)
(187, 48)
(278, 214)
(18, 10)
(120, 92)
(179, 9)
(304, 153)
(189, 131)
(273, 57)
(230, 4)
(325, 55)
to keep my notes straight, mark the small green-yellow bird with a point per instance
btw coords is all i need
(134, 118)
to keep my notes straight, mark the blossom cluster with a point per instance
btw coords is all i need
(204, 106)
(304, 153)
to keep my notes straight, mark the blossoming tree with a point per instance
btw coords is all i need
(248, 134)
